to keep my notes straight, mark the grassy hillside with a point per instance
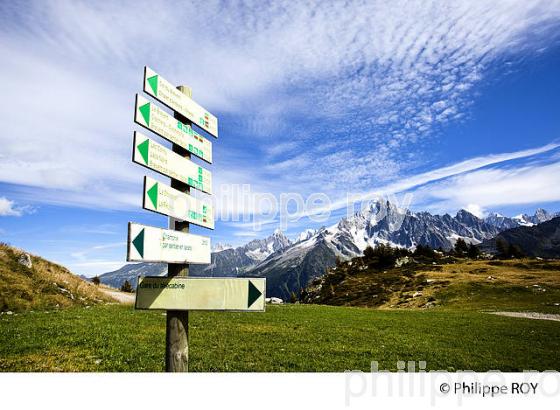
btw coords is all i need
(284, 338)
(43, 286)
(517, 284)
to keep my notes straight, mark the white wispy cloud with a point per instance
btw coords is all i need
(373, 77)
(10, 208)
(495, 187)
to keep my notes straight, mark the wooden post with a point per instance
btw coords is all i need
(177, 329)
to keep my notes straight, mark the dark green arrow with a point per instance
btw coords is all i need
(153, 194)
(145, 111)
(254, 294)
(153, 81)
(138, 243)
(143, 148)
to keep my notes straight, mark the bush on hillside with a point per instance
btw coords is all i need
(127, 287)
(383, 256)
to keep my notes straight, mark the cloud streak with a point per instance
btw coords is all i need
(315, 87)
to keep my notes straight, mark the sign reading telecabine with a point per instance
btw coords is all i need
(166, 93)
(155, 119)
(150, 244)
(165, 200)
(155, 156)
(183, 293)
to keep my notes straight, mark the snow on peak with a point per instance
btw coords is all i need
(305, 235)
(218, 247)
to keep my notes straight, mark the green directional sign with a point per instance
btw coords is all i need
(155, 156)
(167, 94)
(157, 120)
(161, 198)
(184, 293)
(150, 244)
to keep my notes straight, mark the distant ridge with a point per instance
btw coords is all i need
(542, 240)
(290, 266)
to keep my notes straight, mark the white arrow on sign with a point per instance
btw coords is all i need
(150, 116)
(167, 94)
(152, 155)
(150, 244)
(183, 293)
(168, 201)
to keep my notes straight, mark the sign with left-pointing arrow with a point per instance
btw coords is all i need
(155, 156)
(166, 93)
(165, 200)
(183, 293)
(150, 244)
(150, 116)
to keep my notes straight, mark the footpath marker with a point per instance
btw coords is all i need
(179, 102)
(150, 244)
(153, 118)
(155, 156)
(177, 293)
(237, 294)
(165, 200)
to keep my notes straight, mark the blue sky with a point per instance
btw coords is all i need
(456, 104)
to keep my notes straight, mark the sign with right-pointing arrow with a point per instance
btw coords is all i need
(184, 293)
(165, 200)
(150, 244)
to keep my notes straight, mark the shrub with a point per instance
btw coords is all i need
(127, 287)
(461, 248)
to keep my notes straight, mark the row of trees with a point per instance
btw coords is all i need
(126, 286)
(461, 248)
(385, 256)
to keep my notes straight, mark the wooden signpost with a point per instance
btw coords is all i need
(177, 293)
(236, 294)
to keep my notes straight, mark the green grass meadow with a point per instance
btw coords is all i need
(290, 338)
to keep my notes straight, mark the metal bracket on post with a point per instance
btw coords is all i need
(177, 329)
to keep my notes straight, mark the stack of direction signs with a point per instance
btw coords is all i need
(151, 244)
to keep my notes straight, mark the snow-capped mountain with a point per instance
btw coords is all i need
(382, 222)
(221, 247)
(260, 249)
(305, 235)
(501, 222)
(289, 266)
(540, 216)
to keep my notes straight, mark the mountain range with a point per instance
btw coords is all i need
(290, 265)
(541, 240)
